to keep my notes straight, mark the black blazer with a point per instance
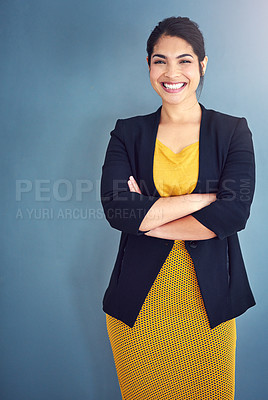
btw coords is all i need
(226, 167)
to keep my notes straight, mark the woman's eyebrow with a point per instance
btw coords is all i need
(180, 56)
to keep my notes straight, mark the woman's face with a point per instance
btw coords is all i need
(174, 70)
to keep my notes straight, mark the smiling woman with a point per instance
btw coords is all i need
(171, 183)
(173, 58)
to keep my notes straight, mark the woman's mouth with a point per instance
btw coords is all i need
(173, 87)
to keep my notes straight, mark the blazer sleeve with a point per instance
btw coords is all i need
(123, 209)
(229, 213)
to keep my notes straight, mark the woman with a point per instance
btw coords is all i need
(178, 183)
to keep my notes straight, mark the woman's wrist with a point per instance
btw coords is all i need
(200, 200)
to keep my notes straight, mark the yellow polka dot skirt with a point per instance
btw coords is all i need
(171, 353)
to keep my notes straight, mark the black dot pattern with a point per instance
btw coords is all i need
(171, 353)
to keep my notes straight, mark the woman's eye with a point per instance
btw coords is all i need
(159, 62)
(185, 61)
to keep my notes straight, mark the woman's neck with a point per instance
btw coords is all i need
(180, 113)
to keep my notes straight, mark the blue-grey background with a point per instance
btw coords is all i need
(69, 69)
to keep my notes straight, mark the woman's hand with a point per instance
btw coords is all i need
(133, 186)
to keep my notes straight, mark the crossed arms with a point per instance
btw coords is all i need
(169, 218)
(187, 217)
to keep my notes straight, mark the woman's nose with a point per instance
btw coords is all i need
(172, 71)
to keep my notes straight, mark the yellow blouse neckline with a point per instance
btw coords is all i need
(171, 151)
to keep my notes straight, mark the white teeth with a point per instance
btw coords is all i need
(173, 85)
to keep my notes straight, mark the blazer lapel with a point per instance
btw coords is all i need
(202, 146)
(210, 160)
(146, 155)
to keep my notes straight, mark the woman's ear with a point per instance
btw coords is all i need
(204, 64)
(147, 59)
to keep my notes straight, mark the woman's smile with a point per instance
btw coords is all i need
(173, 87)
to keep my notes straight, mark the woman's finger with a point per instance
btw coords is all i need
(130, 185)
(133, 188)
(135, 185)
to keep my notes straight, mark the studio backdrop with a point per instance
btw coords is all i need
(69, 70)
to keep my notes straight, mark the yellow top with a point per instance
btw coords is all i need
(175, 173)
